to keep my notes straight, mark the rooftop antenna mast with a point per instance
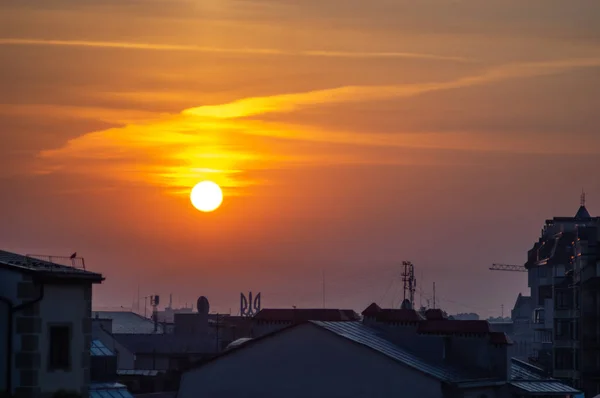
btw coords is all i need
(410, 282)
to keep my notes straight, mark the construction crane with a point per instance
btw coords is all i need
(508, 267)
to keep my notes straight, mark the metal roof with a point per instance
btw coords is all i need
(32, 264)
(547, 387)
(109, 390)
(127, 322)
(369, 337)
(521, 370)
(99, 350)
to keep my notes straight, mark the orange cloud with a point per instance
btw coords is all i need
(204, 49)
(175, 151)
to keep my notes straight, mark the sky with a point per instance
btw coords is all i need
(347, 136)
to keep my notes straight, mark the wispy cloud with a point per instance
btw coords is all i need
(290, 102)
(174, 151)
(239, 51)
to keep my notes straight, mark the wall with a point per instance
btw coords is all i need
(307, 361)
(4, 311)
(68, 305)
(151, 362)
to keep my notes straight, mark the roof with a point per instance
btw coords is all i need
(99, 350)
(109, 390)
(532, 379)
(238, 342)
(127, 322)
(369, 337)
(166, 344)
(547, 387)
(305, 314)
(32, 265)
(582, 213)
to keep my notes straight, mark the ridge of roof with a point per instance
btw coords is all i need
(45, 268)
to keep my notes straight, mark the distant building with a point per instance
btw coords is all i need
(269, 320)
(45, 325)
(389, 353)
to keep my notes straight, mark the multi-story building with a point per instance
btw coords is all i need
(549, 264)
(586, 305)
(564, 279)
(45, 325)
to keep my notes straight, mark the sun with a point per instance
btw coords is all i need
(206, 196)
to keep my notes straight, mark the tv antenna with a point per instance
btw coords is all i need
(410, 282)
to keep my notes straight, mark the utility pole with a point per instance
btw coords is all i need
(502, 310)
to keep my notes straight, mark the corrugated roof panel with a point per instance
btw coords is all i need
(367, 336)
(544, 387)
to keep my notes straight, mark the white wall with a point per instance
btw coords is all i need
(63, 304)
(306, 361)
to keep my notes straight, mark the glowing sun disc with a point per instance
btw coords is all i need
(206, 196)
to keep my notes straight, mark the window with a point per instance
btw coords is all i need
(59, 351)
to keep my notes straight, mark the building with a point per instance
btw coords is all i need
(563, 276)
(45, 327)
(583, 326)
(269, 320)
(103, 373)
(391, 354)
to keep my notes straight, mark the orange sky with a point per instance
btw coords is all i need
(347, 135)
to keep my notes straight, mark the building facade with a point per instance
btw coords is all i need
(45, 327)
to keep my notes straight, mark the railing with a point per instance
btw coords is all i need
(55, 263)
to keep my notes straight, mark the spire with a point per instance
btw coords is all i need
(582, 197)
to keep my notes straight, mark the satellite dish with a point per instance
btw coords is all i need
(202, 305)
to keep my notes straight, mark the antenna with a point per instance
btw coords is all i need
(434, 295)
(410, 283)
(582, 197)
(502, 310)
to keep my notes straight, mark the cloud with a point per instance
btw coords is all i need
(290, 102)
(238, 51)
(220, 142)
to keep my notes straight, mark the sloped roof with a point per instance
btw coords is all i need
(44, 268)
(521, 370)
(305, 314)
(109, 390)
(127, 322)
(100, 350)
(369, 337)
(582, 213)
